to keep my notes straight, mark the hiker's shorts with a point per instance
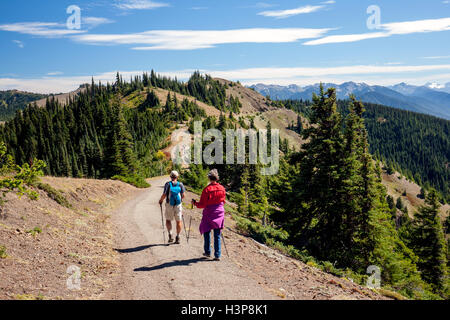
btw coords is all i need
(173, 212)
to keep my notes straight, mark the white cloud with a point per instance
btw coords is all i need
(389, 29)
(43, 29)
(56, 84)
(264, 5)
(55, 73)
(139, 4)
(436, 57)
(19, 43)
(280, 14)
(407, 27)
(93, 22)
(280, 73)
(371, 74)
(346, 38)
(412, 79)
(192, 39)
(329, 2)
(261, 5)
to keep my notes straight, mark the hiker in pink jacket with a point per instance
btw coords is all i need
(212, 201)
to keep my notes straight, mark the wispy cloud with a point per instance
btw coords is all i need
(280, 73)
(264, 5)
(43, 29)
(92, 22)
(346, 38)
(55, 84)
(436, 57)
(139, 4)
(371, 74)
(329, 2)
(194, 39)
(260, 5)
(280, 14)
(389, 29)
(19, 43)
(55, 73)
(53, 29)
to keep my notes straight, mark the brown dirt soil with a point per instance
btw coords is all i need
(36, 265)
(252, 101)
(152, 270)
(396, 184)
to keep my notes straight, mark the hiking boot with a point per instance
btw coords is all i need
(207, 255)
(170, 238)
(177, 239)
(216, 259)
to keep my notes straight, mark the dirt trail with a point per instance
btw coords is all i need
(152, 270)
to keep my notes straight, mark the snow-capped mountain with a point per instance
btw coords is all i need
(424, 99)
(439, 87)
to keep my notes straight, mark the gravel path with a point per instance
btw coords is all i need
(152, 270)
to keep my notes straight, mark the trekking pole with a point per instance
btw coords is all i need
(189, 233)
(224, 244)
(162, 222)
(185, 232)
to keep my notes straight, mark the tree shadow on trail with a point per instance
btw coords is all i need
(140, 248)
(172, 264)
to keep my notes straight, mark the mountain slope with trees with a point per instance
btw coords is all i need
(417, 145)
(11, 101)
(326, 206)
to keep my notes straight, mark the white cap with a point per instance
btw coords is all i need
(174, 173)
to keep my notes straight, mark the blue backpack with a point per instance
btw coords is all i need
(175, 194)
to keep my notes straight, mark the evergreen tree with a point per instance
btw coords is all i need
(429, 242)
(299, 128)
(313, 213)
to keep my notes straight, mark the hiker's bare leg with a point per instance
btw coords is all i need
(169, 225)
(179, 226)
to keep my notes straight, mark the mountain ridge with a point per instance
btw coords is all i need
(422, 99)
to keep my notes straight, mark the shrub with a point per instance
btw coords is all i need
(54, 194)
(35, 231)
(15, 178)
(137, 181)
(3, 254)
(259, 232)
(196, 178)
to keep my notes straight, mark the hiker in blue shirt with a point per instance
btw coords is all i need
(173, 193)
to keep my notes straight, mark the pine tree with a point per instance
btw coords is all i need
(120, 157)
(429, 242)
(314, 218)
(299, 128)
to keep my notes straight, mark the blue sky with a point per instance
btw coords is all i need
(272, 42)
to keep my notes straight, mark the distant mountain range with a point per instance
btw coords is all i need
(432, 98)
